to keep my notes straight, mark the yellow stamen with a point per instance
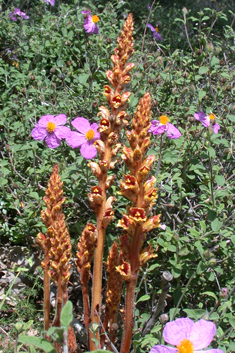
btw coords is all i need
(211, 116)
(185, 346)
(95, 18)
(164, 119)
(50, 126)
(156, 29)
(90, 134)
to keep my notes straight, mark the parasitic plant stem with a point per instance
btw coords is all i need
(110, 125)
(142, 194)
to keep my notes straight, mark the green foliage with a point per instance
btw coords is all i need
(54, 68)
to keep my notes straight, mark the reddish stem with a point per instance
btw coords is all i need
(46, 293)
(85, 295)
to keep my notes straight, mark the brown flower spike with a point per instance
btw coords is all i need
(112, 120)
(142, 194)
(56, 246)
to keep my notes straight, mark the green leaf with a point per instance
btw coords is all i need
(210, 294)
(176, 270)
(60, 62)
(83, 78)
(27, 325)
(37, 342)
(231, 117)
(203, 70)
(32, 349)
(216, 225)
(214, 61)
(67, 314)
(152, 267)
(232, 323)
(220, 179)
(201, 94)
(144, 298)
(211, 152)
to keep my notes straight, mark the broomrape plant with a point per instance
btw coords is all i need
(129, 253)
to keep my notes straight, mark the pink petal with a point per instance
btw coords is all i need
(154, 124)
(84, 12)
(62, 132)
(151, 27)
(162, 349)
(45, 119)
(39, 133)
(90, 26)
(216, 128)
(81, 124)
(160, 129)
(216, 350)
(94, 126)
(202, 334)
(52, 141)
(206, 122)
(60, 119)
(172, 132)
(200, 115)
(175, 331)
(75, 139)
(88, 151)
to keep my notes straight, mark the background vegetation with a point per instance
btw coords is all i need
(48, 65)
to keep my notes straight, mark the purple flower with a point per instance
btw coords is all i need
(90, 22)
(52, 2)
(85, 137)
(207, 120)
(187, 336)
(162, 125)
(49, 127)
(17, 14)
(148, 6)
(156, 34)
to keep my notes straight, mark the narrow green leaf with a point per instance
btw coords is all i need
(27, 325)
(210, 294)
(37, 342)
(144, 298)
(67, 314)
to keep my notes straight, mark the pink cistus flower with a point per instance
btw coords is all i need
(162, 125)
(155, 30)
(187, 337)
(90, 25)
(50, 128)
(51, 2)
(207, 120)
(17, 14)
(84, 138)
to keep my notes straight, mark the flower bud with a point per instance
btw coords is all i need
(163, 319)
(95, 169)
(100, 146)
(109, 181)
